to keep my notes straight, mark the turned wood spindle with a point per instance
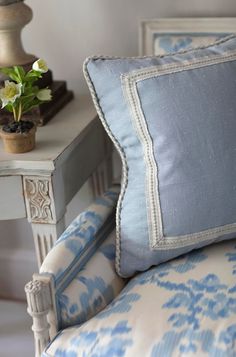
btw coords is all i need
(38, 300)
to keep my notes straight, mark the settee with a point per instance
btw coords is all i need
(153, 275)
(184, 307)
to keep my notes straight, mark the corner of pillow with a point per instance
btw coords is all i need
(86, 62)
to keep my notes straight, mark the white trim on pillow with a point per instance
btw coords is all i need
(157, 239)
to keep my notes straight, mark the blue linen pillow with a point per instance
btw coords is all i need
(173, 121)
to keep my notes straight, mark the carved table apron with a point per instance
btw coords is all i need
(38, 185)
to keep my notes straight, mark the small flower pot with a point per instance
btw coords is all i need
(17, 143)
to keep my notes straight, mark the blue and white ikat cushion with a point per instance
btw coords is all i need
(92, 288)
(164, 43)
(82, 263)
(185, 307)
(173, 121)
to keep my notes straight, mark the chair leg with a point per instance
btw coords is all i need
(101, 179)
(39, 303)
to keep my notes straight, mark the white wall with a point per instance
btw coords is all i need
(64, 33)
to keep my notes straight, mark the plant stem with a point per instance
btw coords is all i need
(19, 112)
(14, 113)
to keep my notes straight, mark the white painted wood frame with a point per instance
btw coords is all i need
(38, 185)
(150, 27)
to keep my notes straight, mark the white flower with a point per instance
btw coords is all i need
(40, 66)
(44, 94)
(10, 92)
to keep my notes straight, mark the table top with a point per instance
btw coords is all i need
(54, 140)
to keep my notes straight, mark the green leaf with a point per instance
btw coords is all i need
(26, 101)
(20, 73)
(32, 76)
(30, 105)
(10, 73)
(27, 96)
(30, 90)
(6, 70)
(9, 108)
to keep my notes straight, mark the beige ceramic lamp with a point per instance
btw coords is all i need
(14, 15)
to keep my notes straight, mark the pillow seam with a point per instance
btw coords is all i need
(125, 170)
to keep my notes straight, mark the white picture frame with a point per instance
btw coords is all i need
(180, 33)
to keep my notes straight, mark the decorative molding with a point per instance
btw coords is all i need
(45, 236)
(43, 244)
(39, 200)
(101, 179)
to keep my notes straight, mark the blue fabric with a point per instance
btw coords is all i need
(92, 288)
(83, 233)
(190, 119)
(194, 146)
(82, 263)
(173, 42)
(185, 307)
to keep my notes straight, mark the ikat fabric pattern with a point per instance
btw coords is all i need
(93, 288)
(185, 307)
(82, 263)
(81, 234)
(170, 43)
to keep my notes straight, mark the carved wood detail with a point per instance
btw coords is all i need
(39, 303)
(101, 179)
(39, 200)
(45, 236)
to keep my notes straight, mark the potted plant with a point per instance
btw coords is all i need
(19, 95)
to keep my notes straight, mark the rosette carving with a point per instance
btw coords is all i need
(39, 200)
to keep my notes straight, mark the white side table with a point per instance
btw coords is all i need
(39, 184)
